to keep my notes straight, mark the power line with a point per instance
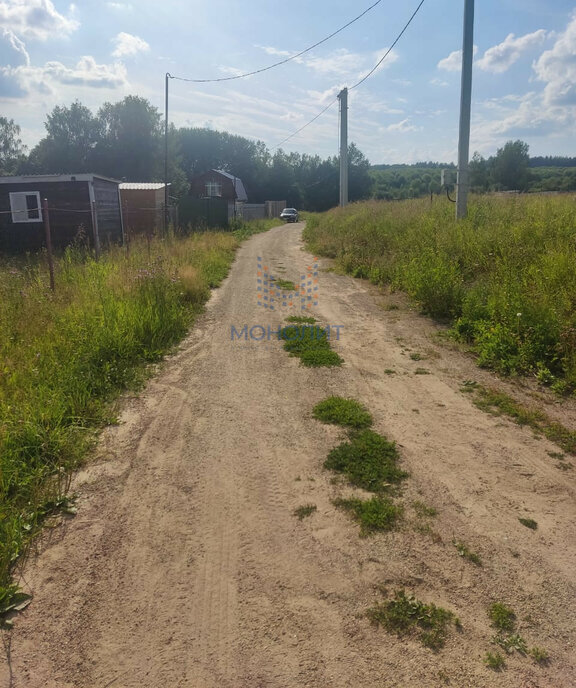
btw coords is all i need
(361, 80)
(306, 125)
(288, 59)
(389, 49)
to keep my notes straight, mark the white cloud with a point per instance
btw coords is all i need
(120, 6)
(501, 57)
(344, 63)
(339, 62)
(128, 45)
(21, 80)
(453, 63)
(557, 67)
(12, 50)
(403, 126)
(269, 50)
(526, 117)
(439, 82)
(35, 19)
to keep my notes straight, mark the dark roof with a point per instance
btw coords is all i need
(241, 194)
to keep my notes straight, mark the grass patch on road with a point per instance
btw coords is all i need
(287, 285)
(374, 515)
(405, 615)
(340, 411)
(466, 553)
(301, 319)
(305, 510)
(368, 460)
(502, 617)
(311, 344)
(529, 523)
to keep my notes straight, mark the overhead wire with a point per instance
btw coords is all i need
(281, 62)
(362, 80)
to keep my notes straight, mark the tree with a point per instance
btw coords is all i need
(72, 135)
(510, 165)
(11, 147)
(479, 173)
(359, 179)
(131, 140)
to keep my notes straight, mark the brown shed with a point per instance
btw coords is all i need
(142, 206)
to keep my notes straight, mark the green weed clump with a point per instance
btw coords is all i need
(494, 660)
(305, 510)
(502, 617)
(374, 515)
(503, 278)
(339, 411)
(465, 552)
(311, 344)
(66, 355)
(405, 615)
(368, 460)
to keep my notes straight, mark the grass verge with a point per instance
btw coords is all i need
(497, 403)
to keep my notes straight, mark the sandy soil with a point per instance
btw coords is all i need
(186, 566)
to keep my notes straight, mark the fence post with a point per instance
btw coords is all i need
(95, 230)
(48, 241)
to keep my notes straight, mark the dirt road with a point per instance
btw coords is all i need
(186, 566)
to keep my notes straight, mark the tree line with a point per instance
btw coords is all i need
(125, 140)
(510, 169)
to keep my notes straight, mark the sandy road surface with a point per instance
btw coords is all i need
(186, 566)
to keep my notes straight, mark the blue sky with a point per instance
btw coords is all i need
(524, 83)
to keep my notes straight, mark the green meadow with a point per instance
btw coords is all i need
(504, 278)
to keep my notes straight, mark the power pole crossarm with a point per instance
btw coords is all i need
(465, 107)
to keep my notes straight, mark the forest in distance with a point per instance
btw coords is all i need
(125, 140)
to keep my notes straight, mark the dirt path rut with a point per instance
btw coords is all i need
(187, 567)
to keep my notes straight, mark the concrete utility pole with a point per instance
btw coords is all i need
(343, 98)
(166, 217)
(462, 181)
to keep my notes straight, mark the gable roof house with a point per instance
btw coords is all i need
(220, 184)
(81, 204)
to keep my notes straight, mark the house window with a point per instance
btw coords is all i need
(25, 206)
(213, 189)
